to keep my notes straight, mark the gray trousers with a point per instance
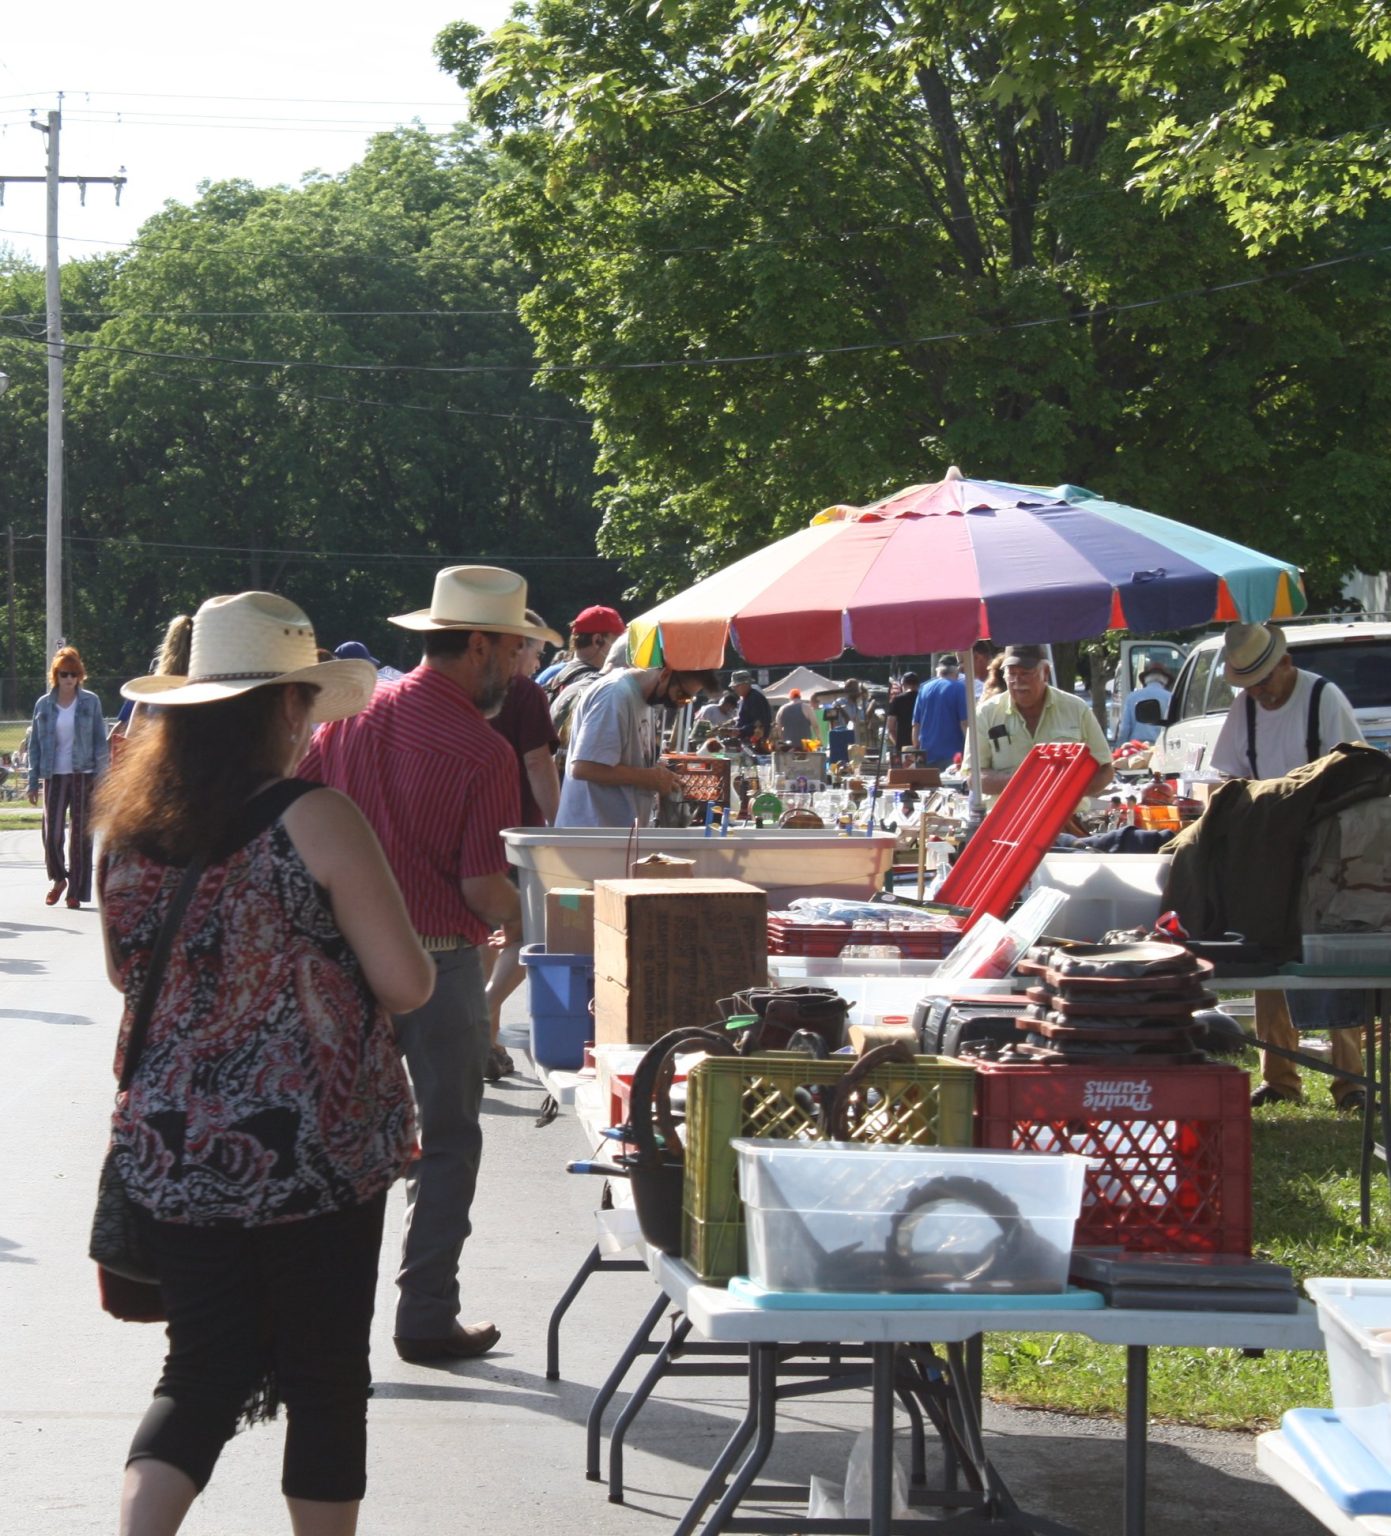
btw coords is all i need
(445, 1044)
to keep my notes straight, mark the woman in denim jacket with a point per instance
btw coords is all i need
(67, 750)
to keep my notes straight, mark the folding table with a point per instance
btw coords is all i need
(717, 1315)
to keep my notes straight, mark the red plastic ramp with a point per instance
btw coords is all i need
(1018, 829)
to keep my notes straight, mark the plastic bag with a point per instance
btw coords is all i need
(859, 1481)
(827, 1502)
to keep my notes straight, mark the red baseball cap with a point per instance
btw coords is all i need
(597, 620)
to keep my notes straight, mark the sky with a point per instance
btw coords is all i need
(177, 93)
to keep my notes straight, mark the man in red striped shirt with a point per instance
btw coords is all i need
(439, 785)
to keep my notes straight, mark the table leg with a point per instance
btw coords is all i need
(714, 1482)
(1137, 1381)
(1381, 1088)
(763, 1378)
(881, 1482)
(632, 1407)
(594, 1423)
(592, 1265)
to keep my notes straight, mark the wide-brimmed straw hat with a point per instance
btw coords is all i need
(478, 597)
(253, 640)
(1251, 653)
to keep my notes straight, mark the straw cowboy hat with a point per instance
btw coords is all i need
(478, 597)
(253, 640)
(1252, 652)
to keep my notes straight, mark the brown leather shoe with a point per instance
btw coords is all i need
(59, 886)
(74, 903)
(465, 1342)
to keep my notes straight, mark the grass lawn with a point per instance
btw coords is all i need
(12, 734)
(1305, 1201)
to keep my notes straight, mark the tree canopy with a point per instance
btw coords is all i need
(788, 256)
(323, 390)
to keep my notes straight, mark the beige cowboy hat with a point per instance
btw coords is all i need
(478, 597)
(253, 640)
(1251, 652)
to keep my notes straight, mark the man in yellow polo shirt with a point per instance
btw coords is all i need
(1029, 712)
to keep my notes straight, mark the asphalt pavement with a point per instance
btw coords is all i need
(487, 1446)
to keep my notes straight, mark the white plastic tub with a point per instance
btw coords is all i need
(1104, 891)
(845, 1216)
(875, 989)
(785, 863)
(1355, 1316)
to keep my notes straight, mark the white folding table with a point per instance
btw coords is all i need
(717, 1316)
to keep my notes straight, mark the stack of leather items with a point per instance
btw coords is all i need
(1092, 1004)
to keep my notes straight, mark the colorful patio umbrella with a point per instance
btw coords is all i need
(937, 567)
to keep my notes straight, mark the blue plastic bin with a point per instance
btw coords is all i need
(561, 988)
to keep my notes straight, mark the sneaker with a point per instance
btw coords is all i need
(500, 1064)
(1265, 1094)
(1353, 1102)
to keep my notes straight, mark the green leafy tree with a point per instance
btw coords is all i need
(787, 257)
(323, 390)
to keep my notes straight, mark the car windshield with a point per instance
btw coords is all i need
(1361, 668)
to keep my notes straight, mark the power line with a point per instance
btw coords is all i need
(790, 354)
(311, 101)
(318, 554)
(268, 314)
(244, 386)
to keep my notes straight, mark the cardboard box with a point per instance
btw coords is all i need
(570, 921)
(666, 950)
(913, 778)
(661, 866)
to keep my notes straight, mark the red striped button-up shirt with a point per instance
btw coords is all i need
(438, 785)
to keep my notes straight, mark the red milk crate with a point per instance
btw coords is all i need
(1170, 1147)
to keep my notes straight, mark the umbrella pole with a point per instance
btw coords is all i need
(976, 804)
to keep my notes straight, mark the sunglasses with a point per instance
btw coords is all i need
(69, 674)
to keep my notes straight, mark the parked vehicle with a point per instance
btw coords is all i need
(1355, 654)
(1135, 656)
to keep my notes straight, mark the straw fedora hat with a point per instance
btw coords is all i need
(1251, 653)
(253, 640)
(478, 597)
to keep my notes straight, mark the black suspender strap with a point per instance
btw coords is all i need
(1312, 750)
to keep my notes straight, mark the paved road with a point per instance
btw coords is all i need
(488, 1447)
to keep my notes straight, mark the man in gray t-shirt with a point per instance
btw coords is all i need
(612, 776)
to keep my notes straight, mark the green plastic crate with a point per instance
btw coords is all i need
(929, 1102)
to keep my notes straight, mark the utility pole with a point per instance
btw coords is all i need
(53, 561)
(14, 671)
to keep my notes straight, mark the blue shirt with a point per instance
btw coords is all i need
(547, 673)
(938, 714)
(1131, 729)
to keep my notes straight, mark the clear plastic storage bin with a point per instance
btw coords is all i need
(843, 1217)
(1357, 951)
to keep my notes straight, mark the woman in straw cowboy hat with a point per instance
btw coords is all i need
(268, 1111)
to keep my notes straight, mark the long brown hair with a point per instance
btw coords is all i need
(174, 648)
(187, 773)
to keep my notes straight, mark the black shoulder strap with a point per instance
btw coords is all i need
(260, 812)
(1251, 734)
(159, 957)
(1311, 731)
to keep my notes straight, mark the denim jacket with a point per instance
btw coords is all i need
(90, 754)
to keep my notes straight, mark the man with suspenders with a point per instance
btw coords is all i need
(1282, 719)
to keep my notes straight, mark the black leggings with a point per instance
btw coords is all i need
(293, 1300)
